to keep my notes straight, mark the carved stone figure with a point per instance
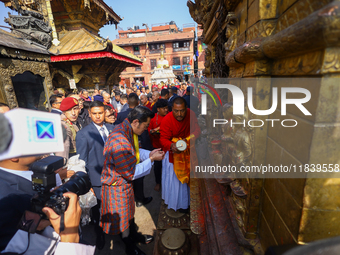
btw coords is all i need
(207, 62)
(231, 33)
(227, 145)
(31, 26)
(241, 156)
(200, 10)
(194, 11)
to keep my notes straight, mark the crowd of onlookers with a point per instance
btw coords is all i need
(116, 100)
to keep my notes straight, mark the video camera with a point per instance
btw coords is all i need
(43, 180)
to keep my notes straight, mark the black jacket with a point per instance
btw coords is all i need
(15, 197)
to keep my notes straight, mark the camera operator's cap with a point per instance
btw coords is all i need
(174, 88)
(68, 103)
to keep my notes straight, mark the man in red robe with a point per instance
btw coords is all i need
(155, 123)
(180, 124)
(145, 102)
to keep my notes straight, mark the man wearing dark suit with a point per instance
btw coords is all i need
(15, 195)
(144, 138)
(192, 101)
(55, 101)
(90, 145)
(172, 97)
(15, 198)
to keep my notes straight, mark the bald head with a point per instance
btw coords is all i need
(106, 97)
(144, 99)
(155, 96)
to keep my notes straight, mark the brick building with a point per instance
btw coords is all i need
(179, 47)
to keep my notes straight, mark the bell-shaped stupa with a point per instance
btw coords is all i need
(163, 72)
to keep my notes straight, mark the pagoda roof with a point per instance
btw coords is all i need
(155, 38)
(81, 44)
(18, 44)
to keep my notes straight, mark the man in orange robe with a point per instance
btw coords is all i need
(181, 123)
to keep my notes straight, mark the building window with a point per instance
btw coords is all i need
(181, 46)
(175, 45)
(138, 68)
(176, 61)
(153, 63)
(186, 60)
(157, 47)
(136, 50)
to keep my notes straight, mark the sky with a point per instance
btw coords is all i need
(136, 12)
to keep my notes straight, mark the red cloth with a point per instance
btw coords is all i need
(93, 55)
(148, 104)
(154, 123)
(170, 128)
(118, 203)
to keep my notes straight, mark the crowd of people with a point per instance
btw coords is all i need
(120, 135)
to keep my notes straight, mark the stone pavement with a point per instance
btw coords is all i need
(145, 218)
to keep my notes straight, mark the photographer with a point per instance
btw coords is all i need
(15, 198)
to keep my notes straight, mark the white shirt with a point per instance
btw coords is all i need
(28, 175)
(105, 130)
(24, 174)
(57, 110)
(44, 244)
(119, 106)
(145, 165)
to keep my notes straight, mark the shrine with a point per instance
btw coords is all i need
(163, 72)
(51, 44)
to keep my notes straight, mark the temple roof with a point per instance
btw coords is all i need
(108, 10)
(15, 42)
(155, 38)
(82, 41)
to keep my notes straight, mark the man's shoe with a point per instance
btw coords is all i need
(100, 241)
(144, 239)
(187, 211)
(134, 250)
(144, 202)
(131, 248)
(148, 239)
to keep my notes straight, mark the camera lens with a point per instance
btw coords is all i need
(79, 184)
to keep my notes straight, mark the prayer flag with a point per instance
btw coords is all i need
(200, 49)
(194, 57)
(190, 62)
(197, 53)
(186, 69)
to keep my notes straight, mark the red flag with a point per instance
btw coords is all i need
(190, 62)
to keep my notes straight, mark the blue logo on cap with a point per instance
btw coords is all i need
(45, 129)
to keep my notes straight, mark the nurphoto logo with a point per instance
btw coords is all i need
(239, 108)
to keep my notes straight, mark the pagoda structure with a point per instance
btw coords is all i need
(77, 52)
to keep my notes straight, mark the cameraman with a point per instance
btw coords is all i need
(15, 195)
